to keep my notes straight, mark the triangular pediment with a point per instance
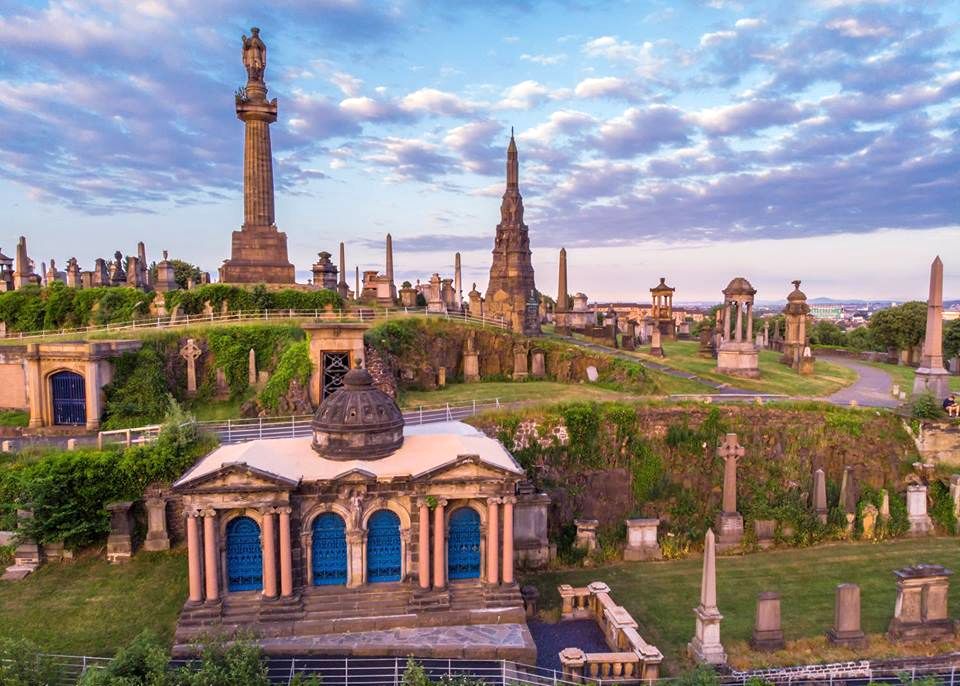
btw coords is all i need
(237, 476)
(466, 467)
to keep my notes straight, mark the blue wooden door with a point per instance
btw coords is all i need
(383, 547)
(329, 550)
(69, 398)
(463, 544)
(244, 555)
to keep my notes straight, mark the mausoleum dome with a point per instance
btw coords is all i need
(739, 286)
(797, 295)
(358, 421)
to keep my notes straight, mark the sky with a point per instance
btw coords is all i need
(699, 141)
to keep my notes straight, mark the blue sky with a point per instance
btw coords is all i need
(693, 140)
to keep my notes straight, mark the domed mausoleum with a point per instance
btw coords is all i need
(365, 524)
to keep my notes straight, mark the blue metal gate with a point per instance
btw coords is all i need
(244, 555)
(463, 544)
(69, 398)
(383, 547)
(329, 550)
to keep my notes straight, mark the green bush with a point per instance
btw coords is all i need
(231, 346)
(294, 364)
(139, 392)
(925, 406)
(941, 512)
(22, 664)
(238, 299)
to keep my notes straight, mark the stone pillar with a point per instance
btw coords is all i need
(749, 335)
(519, 362)
(508, 539)
(36, 392)
(26, 556)
(920, 522)
(727, 314)
(642, 540)
(389, 259)
(846, 618)
(730, 522)
(194, 556)
(738, 334)
(586, 534)
(120, 541)
(705, 646)
(423, 544)
(572, 661)
(252, 367)
(457, 281)
(493, 541)
(211, 551)
(157, 536)
(820, 496)
(537, 364)
(269, 554)
(931, 375)
(439, 546)
(767, 632)
(286, 553)
(91, 383)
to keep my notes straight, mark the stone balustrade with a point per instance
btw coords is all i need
(631, 658)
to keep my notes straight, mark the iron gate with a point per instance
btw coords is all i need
(335, 367)
(383, 547)
(69, 398)
(244, 556)
(329, 550)
(463, 544)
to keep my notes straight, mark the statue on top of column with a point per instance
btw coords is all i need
(254, 55)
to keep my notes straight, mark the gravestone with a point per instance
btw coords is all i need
(471, 360)
(920, 522)
(767, 632)
(820, 496)
(120, 540)
(705, 646)
(656, 347)
(765, 529)
(592, 374)
(586, 534)
(441, 377)
(884, 505)
(520, 362)
(920, 612)
(846, 629)
(869, 521)
(26, 556)
(642, 540)
(157, 536)
(730, 522)
(252, 367)
(190, 352)
(537, 364)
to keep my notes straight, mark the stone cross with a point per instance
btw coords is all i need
(190, 352)
(731, 451)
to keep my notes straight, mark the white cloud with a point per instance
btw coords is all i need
(349, 85)
(435, 101)
(544, 60)
(746, 117)
(854, 28)
(562, 122)
(601, 87)
(525, 95)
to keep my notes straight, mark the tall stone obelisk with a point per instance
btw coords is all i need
(931, 377)
(342, 288)
(259, 251)
(457, 280)
(561, 323)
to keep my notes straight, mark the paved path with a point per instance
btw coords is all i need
(575, 633)
(872, 387)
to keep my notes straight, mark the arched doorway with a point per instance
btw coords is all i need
(329, 550)
(463, 544)
(244, 555)
(69, 398)
(383, 547)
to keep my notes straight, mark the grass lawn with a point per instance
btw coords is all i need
(213, 410)
(90, 607)
(904, 375)
(661, 595)
(774, 377)
(14, 418)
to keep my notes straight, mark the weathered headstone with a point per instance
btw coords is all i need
(441, 377)
(820, 496)
(931, 376)
(705, 646)
(920, 522)
(767, 632)
(157, 536)
(520, 360)
(592, 374)
(730, 522)
(471, 360)
(190, 352)
(538, 368)
(26, 556)
(846, 629)
(586, 534)
(642, 540)
(120, 540)
(884, 505)
(920, 612)
(656, 346)
(765, 529)
(252, 367)
(869, 521)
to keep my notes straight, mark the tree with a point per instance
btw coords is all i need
(861, 339)
(827, 333)
(901, 327)
(951, 339)
(182, 272)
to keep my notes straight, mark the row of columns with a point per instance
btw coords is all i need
(204, 566)
(738, 334)
(662, 306)
(494, 563)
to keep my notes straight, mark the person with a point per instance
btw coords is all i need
(951, 406)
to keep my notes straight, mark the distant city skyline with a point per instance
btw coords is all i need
(695, 141)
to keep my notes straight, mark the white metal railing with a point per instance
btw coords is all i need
(294, 426)
(359, 315)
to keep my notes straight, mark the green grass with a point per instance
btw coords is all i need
(661, 595)
(774, 377)
(14, 418)
(904, 375)
(90, 607)
(213, 410)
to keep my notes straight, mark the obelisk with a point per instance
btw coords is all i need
(561, 323)
(705, 646)
(931, 377)
(259, 251)
(457, 281)
(342, 287)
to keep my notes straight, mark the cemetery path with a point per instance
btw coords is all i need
(872, 387)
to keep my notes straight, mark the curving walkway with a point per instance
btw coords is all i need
(872, 387)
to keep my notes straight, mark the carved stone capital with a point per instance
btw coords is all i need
(268, 510)
(509, 500)
(494, 501)
(209, 512)
(442, 502)
(285, 509)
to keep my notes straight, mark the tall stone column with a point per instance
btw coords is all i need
(738, 334)
(820, 496)
(389, 265)
(705, 646)
(194, 555)
(423, 544)
(458, 280)
(35, 390)
(493, 541)
(439, 545)
(508, 503)
(749, 336)
(91, 382)
(727, 316)
(210, 550)
(269, 554)
(931, 376)
(286, 553)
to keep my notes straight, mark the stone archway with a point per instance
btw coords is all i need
(329, 550)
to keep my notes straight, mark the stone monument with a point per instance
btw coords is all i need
(738, 353)
(259, 251)
(705, 646)
(190, 352)
(767, 631)
(920, 613)
(324, 272)
(920, 522)
(662, 297)
(642, 540)
(120, 540)
(795, 314)
(730, 522)
(511, 273)
(342, 288)
(820, 496)
(561, 320)
(931, 376)
(846, 629)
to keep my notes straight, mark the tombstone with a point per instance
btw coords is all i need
(538, 367)
(765, 530)
(157, 536)
(869, 521)
(263, 377)
(101, 275)
(86, 279)
(471, 360)
(920, 522)
(767, 632)
(133, 271)
(71, 444)
(190, 352)
(166, 276)
(408, 296)
(6, 446)
(120, 540)
(846, 629)
(884, 505)
(705, 646)
(955, 493)
(730, 522)
(441, 377)
(705, 338)
(476, 302)
(920, 612)
(55, 552)
(586, 534)
(435, 296)
(592, 374)
(520, 362)
(656, 347)
(820, 496)
(252, 367)
(26, 556)
(642, 540)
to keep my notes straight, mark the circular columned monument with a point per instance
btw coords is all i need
(358, 421)
(738, 352)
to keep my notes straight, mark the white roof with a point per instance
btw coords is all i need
(425, 448)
